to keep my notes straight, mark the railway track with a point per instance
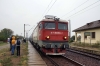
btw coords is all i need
(63, 61)
(75, 62)
(72, 58)
(48, 61)
(55, 60)
(97, 57)
(87, 59)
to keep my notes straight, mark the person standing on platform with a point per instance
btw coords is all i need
(13, 45)
(18, 46)
(10, 42)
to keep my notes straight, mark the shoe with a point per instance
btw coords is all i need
(18, 55)
(12, 54)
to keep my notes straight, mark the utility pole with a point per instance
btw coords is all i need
(6, 34)
(69, 29)
(26, 35)
(24, 30)
(21, 34)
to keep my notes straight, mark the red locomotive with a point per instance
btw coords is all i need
(51, 36)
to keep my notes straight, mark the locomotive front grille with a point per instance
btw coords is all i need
(55, 44)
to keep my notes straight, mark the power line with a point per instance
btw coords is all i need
(32, 27)
(47, 7)
(90, 8)
(51, 6)
(75, 8)
(85, 8)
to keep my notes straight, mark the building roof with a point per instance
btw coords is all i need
(91, 25)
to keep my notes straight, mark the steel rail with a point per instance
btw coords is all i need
(85, 54)
(56, 64)
(73, 61)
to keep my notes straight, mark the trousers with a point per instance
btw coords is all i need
(12, 49)
(18, 50)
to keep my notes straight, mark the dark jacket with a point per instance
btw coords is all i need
(10, 39)
(18, 42)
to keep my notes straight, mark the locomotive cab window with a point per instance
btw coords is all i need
(40, 26)
(49, 25)
(62, 26)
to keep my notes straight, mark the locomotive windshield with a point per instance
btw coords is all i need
(49, 25)
(62, 26)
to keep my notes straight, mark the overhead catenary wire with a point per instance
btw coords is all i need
(84, 8)
(51, 7)
(46, 11)
(47, 7)
(80, 13)
(90, 9)
(75, 8)
(31, 28)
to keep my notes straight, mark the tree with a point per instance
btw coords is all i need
(5, 33)
(79, 38)
(19, 36)
(72, 39)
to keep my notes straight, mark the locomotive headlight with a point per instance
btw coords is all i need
(47, 37)
(65, 37)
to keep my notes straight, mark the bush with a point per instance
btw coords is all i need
(96, 45)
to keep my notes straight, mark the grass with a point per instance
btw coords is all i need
(87, 45)
(6, 59)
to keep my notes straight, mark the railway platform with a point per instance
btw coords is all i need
(34, 59)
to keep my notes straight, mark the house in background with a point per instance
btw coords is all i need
(90, 33)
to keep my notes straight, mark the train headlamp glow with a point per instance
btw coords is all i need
(65, 37)
(47, 37)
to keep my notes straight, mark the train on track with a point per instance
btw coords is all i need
(51, 36)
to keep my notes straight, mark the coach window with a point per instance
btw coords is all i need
(62, 26)
(49, 25)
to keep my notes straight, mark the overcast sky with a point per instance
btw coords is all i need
(15, 13)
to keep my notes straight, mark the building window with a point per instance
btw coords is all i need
(93, 35)
(86, 34)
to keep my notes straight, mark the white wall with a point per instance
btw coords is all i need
(97, 36)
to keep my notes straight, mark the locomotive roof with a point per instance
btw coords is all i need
(53, 20)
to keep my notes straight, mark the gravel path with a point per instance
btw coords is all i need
(4, 46)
